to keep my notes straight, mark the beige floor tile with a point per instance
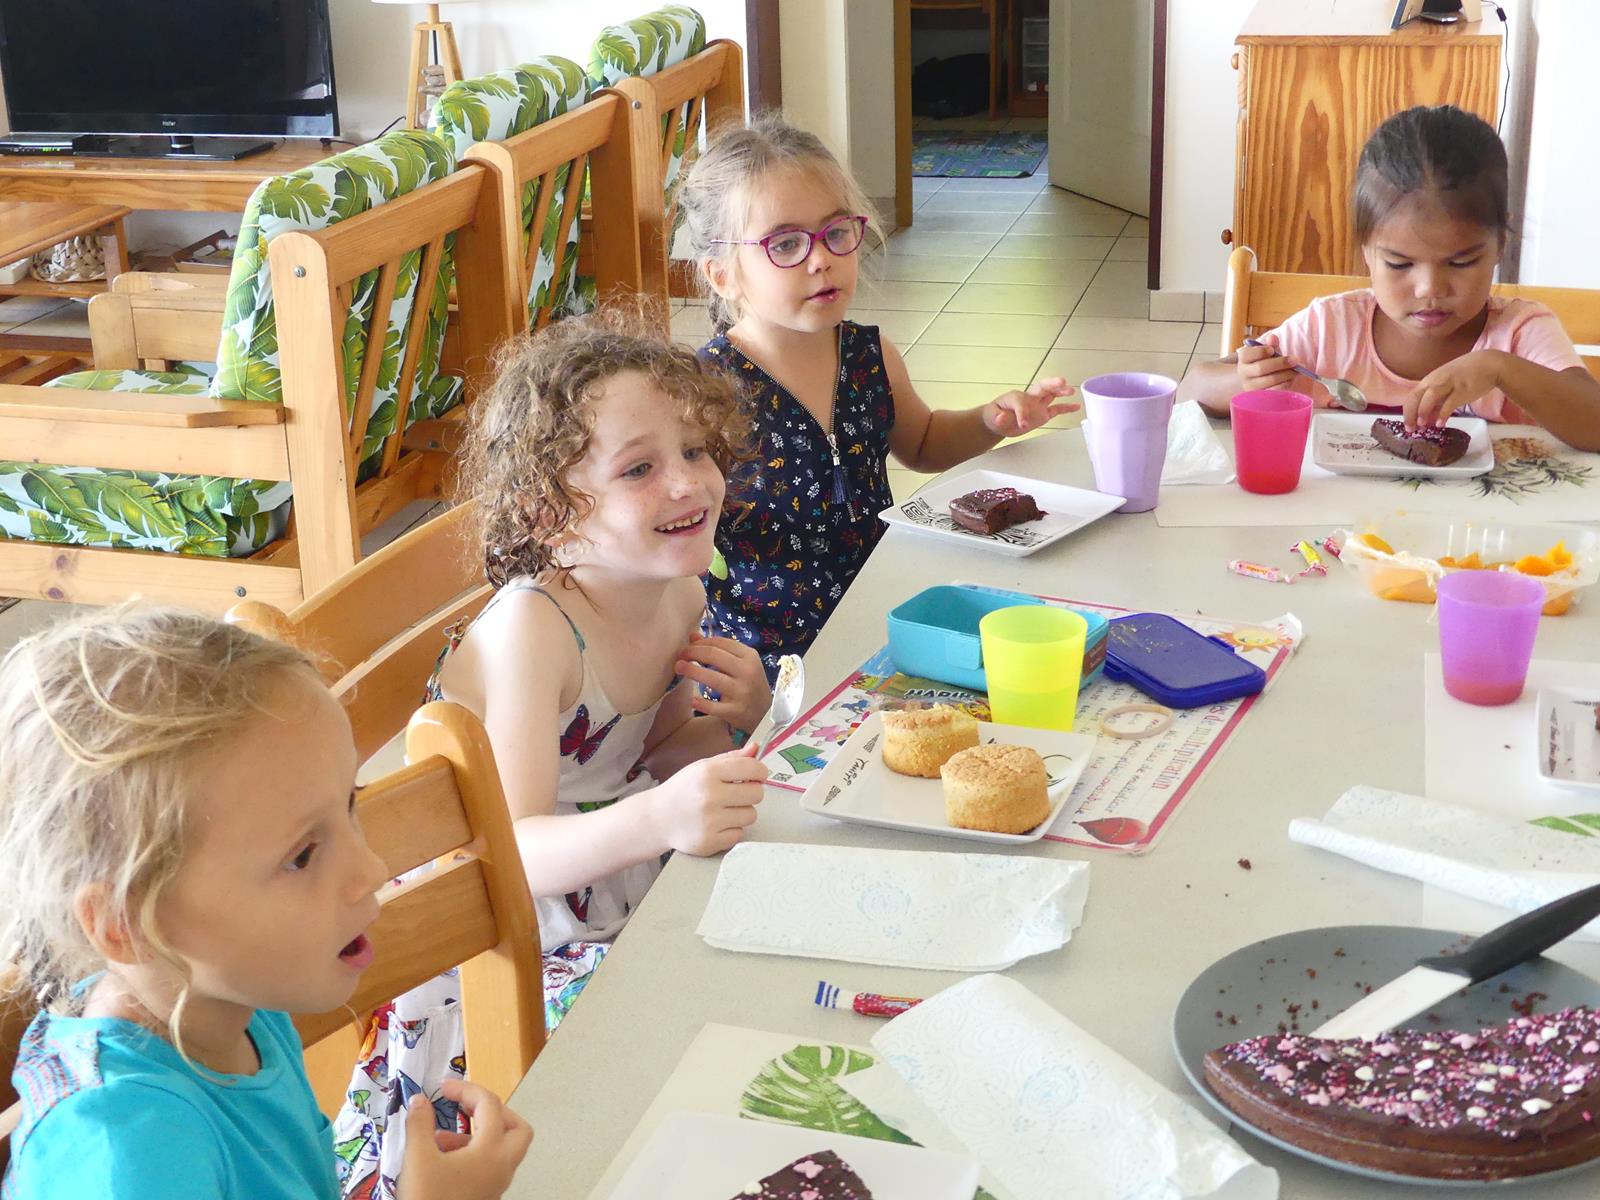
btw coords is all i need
(924, 186)
(17, 309)
(1210, 341)
(1031, 299)
(1031, 246)
(1118, 290)
(900, 326)
(1020, 183)
(934, 241)
(1126, 333)
(1122, 274)
(957, 396)
(924, 268)
(1137, 227)
(1061, 200)
(1130, 249)
(930, 221)
(1095, 224)
(905, 484)
(692, 322)
(992, 329)
(972, 364)
(1078, 365)
(1047, 272)
(70, 320)
(967, 200)
(903, 294)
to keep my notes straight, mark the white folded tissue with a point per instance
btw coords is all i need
(1511, 863)
(1052, 1112)
(908, 908)
(1194, 452)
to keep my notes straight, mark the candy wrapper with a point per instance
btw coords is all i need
(1259, 571)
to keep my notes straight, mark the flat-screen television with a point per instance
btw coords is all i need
(178, 69)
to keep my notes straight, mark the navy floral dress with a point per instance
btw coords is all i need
(795, 532)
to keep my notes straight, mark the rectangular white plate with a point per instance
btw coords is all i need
(1565, 739)
(856, 786)
(1343, 443)
(1066, 510)
(704, 1156)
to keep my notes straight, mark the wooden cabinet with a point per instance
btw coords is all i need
(1314, 82)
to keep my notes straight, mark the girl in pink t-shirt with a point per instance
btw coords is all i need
(1427, 338)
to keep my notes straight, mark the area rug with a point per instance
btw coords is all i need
(984, 154)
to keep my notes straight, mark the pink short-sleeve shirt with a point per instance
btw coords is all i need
(1333, 336)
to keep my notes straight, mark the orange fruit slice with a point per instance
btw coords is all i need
(1373, 542)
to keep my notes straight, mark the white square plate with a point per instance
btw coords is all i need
(1343, 443)
(1066, 510)
(703, 1156)
(1565, 739)
(856, 786)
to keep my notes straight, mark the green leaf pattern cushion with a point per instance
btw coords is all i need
(645, 45)
(492, 108)
(217, 516)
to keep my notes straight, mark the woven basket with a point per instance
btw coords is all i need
(74, 260)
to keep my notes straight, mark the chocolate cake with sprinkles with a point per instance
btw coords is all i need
(820, 1176)
(1431, 446)
(1511, 1100)
(989, 510)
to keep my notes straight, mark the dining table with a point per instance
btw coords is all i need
(1346, 709)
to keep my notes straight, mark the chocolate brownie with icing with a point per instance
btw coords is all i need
(1431, 446)
(989, 510)
(1511, 1100)
(820, 1176)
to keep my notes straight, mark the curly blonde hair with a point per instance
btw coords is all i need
(718, 192)
(535, 422)
(101, 719)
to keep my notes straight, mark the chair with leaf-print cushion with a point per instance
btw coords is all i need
(500, 106)
(164, 483)
(684, 84)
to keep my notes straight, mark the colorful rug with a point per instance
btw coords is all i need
(1001, 154)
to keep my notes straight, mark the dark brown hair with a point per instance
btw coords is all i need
(1452, 155)
(535, 422)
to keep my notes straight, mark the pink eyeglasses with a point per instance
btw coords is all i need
(791, 247)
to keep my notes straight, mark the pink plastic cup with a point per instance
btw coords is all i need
(1487, 624)
(1269, 439)
(1125, 419)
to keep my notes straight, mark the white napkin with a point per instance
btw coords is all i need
(1194, 452)
(1052, 1112)
(908, 908)
(1512, 863)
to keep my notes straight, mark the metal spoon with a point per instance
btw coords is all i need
(787, 695)
(1345, 394)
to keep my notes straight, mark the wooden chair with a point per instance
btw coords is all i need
(378, 631)
(473, 911)
(333, 290)
(1256, 301)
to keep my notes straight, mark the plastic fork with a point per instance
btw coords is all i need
(1345, 394)
(787, 695)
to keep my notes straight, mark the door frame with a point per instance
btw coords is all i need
(1158, 140)
(763, 60)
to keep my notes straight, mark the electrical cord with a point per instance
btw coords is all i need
(1505, 89)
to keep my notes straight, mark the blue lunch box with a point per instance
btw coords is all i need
(934, 635)
(1176, 666)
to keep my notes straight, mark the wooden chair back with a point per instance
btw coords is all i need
(604, 142)
(149, 319)
(16, 1010)
(377, 633)
(473, 910)
(702, 93)
(1257, 301)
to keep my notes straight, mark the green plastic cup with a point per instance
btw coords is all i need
(1033, 661)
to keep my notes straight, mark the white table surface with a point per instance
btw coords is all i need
(1346, 709)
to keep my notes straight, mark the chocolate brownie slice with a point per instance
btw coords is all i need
(820, 1176)
(1432, 447)
(989, 510)
(1515, 1099)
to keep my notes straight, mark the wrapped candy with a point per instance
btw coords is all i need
(1252, 570)
(1313, 560)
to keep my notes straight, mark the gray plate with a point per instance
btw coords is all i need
(1256, 985)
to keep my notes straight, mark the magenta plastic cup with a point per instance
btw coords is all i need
(1487, 624)
(1269, 439)
(1125, 426)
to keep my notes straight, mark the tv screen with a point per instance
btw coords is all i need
(262, 67)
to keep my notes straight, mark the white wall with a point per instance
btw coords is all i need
(870, 75)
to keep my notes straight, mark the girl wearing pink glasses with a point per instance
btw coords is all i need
(775, 223)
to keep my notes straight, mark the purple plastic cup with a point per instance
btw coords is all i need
(1125, 426)
(1269, 439)
(1487, 624)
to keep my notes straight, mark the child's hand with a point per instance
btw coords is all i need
(1263, 367)
(705, 808)
(1018, 412)
(1455, 385)
(732, 670)
(444, 1165)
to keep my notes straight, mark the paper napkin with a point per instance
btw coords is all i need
(909, 908)
(1500, 860)
(1194, 452)
(1050, 1111)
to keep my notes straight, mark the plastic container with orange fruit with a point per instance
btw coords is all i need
(1403, 556)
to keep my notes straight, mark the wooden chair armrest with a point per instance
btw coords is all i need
(81, 406)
